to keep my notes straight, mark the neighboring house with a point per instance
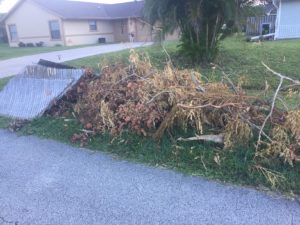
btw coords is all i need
(263, 24)
(67, 23)
(288, 19)
(3, 36)
(282, 18)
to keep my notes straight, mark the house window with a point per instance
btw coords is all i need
(265, 28)
(54, 30)
(13, 32)
(93, 25)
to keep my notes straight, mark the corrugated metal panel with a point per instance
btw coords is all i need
(31, 93)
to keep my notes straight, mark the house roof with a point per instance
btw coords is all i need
(86, 10)
(125, 10)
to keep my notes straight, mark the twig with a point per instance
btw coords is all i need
(199, 86)
(209, 105)
(203, 163)
(257, 127)
(225, 75)
(168, 55)
(271, 112)
(296, 82)
(155, 96)
(125, 78)
(87, 131)
(230, 82)
(292, 86)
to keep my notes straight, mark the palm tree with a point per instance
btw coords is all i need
(200, 21)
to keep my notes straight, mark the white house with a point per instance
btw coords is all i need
(288, 19)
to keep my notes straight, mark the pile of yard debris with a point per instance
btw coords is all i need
(150, 102)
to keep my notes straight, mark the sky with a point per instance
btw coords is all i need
(6, 5)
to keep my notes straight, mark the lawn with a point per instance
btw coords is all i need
(155, 52)
(238, 59)
(243, 59)
(6, 52)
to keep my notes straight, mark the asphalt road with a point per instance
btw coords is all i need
(43, 182)
(13, 66)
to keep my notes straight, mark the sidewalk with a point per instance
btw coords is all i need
(15, 65)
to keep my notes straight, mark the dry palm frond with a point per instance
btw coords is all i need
(107, 116)
(293, 124)
(280, 146)
(237, 132)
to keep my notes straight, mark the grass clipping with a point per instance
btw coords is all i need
(150, 102)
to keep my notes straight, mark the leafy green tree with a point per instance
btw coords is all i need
(201, 22)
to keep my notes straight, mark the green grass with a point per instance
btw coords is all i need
(237, 58)
(155, 52)
(7, 52)
(240, 58)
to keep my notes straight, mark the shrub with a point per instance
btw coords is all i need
(22, 44)
(30, 45)
(40, 44)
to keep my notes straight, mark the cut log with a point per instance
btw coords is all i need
(213, 138)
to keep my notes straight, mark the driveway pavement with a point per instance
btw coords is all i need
(15, 65)
(43, 182)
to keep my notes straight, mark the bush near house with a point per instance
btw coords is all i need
(31, 45)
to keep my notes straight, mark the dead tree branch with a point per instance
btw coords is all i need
(213, 138)
(155, 96)
(275, 97)
(295, 82)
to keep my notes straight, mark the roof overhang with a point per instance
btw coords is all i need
(18, 4)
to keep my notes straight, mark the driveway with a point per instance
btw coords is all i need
(45, 182)
(15, 65)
